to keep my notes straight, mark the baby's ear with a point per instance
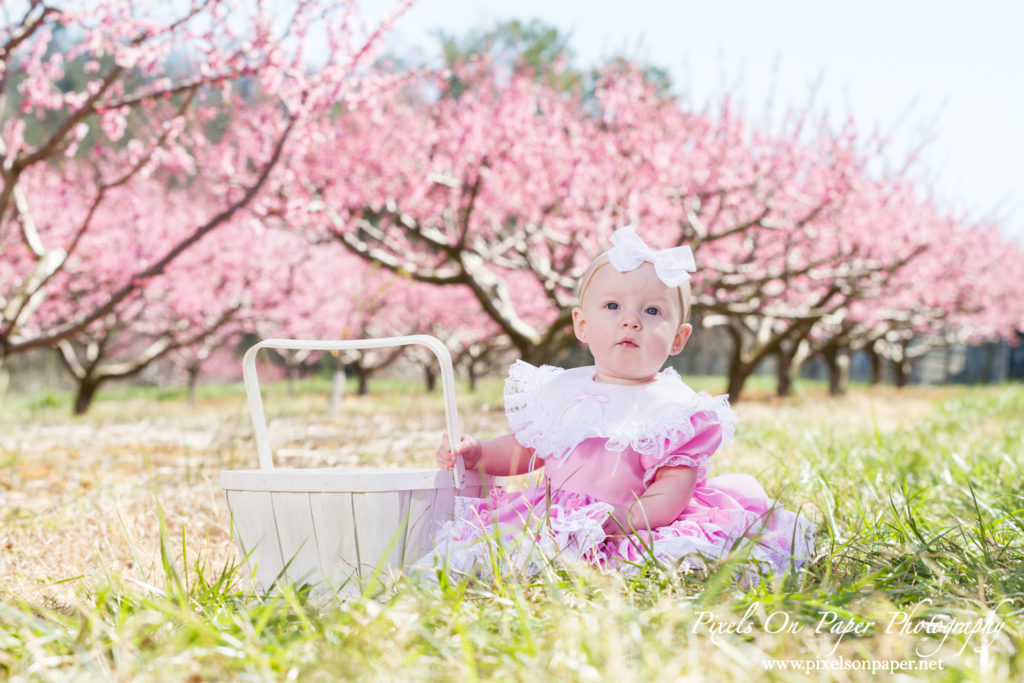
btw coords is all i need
(682, 335)
(579, 324)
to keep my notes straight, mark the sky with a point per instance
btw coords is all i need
(943, 73)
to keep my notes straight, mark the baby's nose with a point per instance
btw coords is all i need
(630, 320)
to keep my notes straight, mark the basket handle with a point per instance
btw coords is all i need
(259, 420)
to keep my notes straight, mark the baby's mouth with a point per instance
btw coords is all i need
(628, 343)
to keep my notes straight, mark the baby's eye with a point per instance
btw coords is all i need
(612, 306)
(652, 310)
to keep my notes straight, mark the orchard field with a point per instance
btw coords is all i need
(169, 189)
(178, 179)
(117, 561)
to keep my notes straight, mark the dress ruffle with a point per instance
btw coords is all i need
(519, 532)
(728, 513)
(528, 530)
(553, 410)
(699, 462)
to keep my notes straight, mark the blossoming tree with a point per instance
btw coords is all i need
(508, 187)
(511, 187)
(100, 100)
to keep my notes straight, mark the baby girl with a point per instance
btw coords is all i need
(624, 444)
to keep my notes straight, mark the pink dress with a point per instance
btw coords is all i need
(602, 445)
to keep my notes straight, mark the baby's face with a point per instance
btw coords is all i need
(631, 322)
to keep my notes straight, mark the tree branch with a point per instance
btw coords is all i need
(158, 267)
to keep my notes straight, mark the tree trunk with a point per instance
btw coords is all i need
(5, 379)
(472, 377)
(838, 361)
(291, 373)
(431, 377)
(739, 372)
(86, 392)
(364, 379)
(877, 367)
(784, 370)
(902, 373)
(193, 381)
(337, 389)
(903, 367)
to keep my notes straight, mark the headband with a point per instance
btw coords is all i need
(672, 266)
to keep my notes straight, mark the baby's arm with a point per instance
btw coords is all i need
(661, 504)
(503, 456)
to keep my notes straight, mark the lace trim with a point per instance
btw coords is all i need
(565, 531)
(528, 390)
(522, 392)
(700, 462)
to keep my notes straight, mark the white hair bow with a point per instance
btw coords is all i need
(672, 266)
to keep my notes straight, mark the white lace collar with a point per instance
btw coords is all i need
(553, 410)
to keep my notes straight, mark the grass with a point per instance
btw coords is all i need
(920, 564)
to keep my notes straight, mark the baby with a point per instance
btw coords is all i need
(625, 445)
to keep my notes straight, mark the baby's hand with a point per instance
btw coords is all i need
(617, 523)
(468, 447)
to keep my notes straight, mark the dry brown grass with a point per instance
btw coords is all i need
(78, 496)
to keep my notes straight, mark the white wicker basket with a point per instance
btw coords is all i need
(339, 529)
